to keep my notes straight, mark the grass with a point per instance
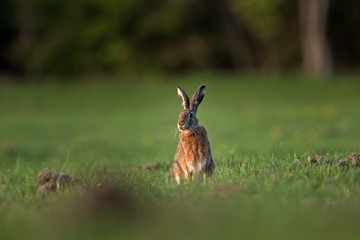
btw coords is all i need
(258, 127)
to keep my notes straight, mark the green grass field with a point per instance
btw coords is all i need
(262, 130)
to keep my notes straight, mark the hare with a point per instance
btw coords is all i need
(193, 154)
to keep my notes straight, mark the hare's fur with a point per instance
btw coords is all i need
(193, 154)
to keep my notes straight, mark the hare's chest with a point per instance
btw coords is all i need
(195, 156)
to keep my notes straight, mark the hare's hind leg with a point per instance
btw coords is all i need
(177, 172)
(204, 177)
(210, 169)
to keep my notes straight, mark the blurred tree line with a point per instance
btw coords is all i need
(41, 37)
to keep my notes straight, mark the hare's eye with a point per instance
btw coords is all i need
(191, 114)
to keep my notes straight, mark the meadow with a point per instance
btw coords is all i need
(106, 133)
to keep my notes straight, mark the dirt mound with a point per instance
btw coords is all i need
(151, 167)
(51, 182)
(318, 160)
(351, 160)
(9, 150)
(107, 200)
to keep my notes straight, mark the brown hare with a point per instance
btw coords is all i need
(193, 154)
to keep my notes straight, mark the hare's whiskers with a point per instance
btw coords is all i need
(173, 133)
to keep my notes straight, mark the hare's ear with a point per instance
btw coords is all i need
(183, 97)
(197, 98)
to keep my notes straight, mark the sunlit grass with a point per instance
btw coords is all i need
(262, 132)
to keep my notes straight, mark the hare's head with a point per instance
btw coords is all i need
(187, 117)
